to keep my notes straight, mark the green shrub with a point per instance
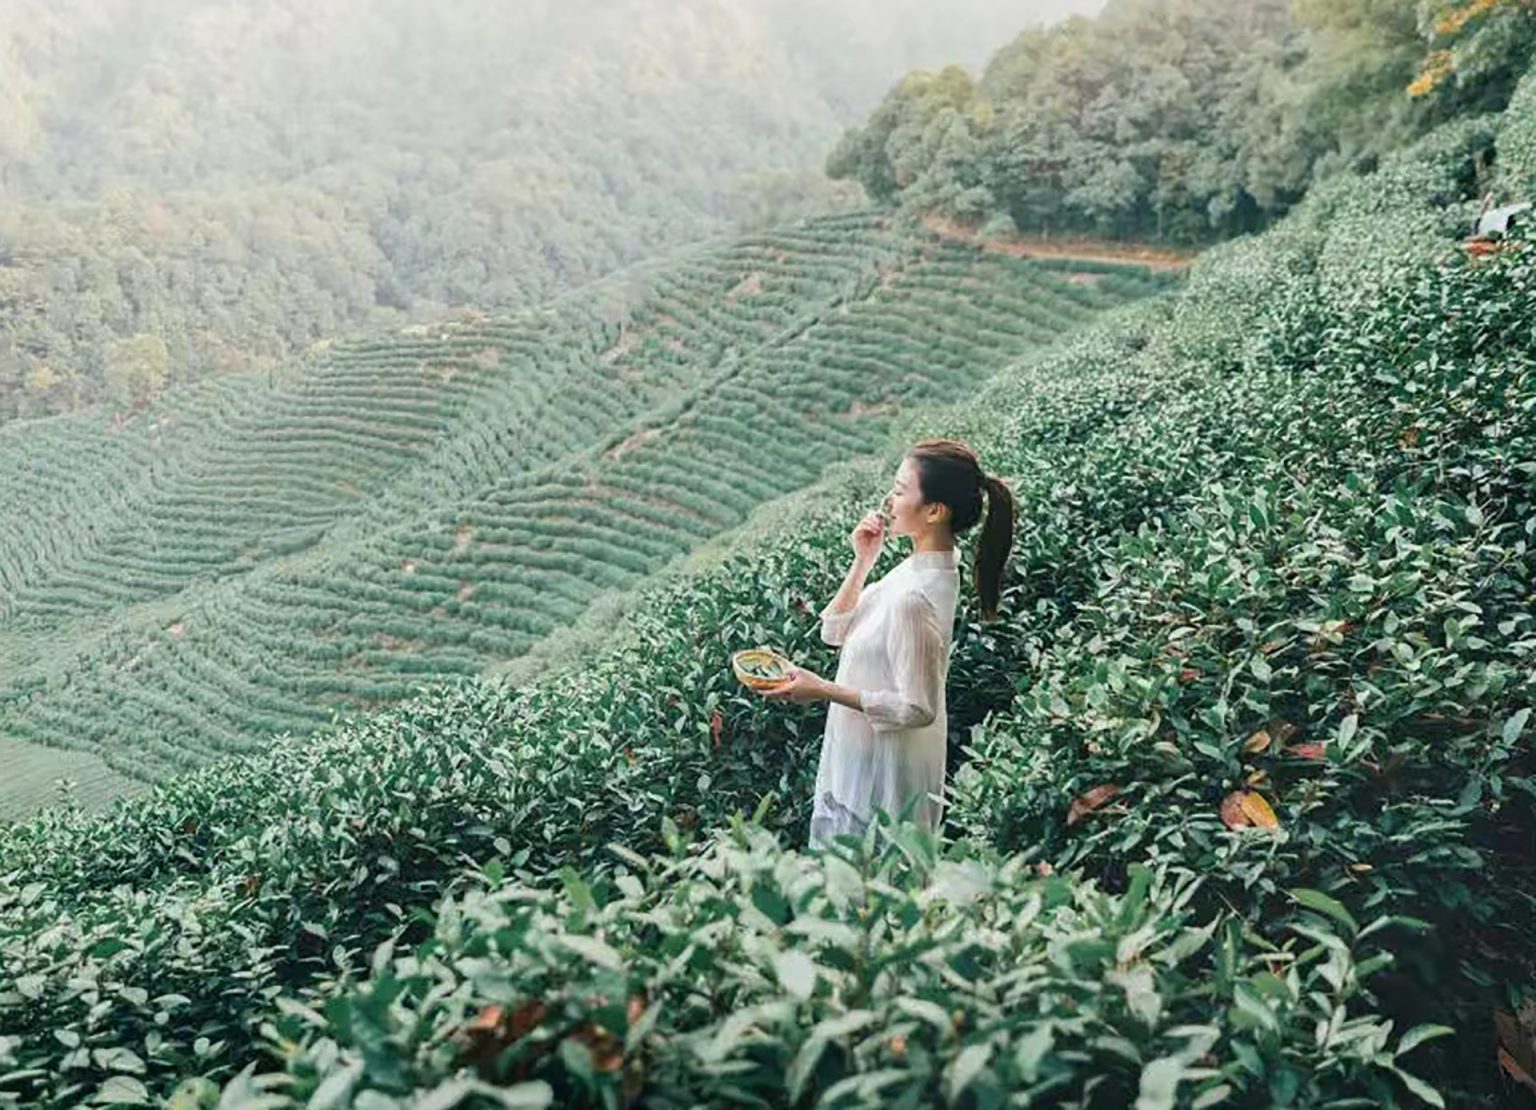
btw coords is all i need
(873, 975)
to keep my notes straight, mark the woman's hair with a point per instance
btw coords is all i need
(949, 473)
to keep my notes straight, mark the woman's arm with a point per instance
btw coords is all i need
(836, 617)
(918, 663)
(865, 539)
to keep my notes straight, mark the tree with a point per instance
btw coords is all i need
(135, 369)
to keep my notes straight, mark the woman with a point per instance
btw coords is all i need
(886, 731)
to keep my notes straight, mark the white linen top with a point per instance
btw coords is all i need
(895, 651)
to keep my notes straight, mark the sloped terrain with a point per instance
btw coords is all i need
(255, 555)
(1243, 812)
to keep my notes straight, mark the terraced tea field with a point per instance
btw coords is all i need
(250, 556)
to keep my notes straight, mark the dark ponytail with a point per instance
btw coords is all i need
(949, 473)
(993, 547)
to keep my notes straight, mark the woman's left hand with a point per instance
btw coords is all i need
(801, 686)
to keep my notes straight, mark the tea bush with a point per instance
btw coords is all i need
(1349, 630)
(1517, 142)
(877, 974)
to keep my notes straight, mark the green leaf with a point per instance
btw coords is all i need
(1515, 725)
(1420, 1088)
(577, 890)
(535, 1095)
(594, 951)
(796, 972)
(336, 1091)
(1212, 1097)
(445, 1096)
(1419, 1034)
(121, 1090)
(965, 1069)
(1347, 729)
(1032, 1049)
(1160, 1084)
(1327, 905)
(931, 1012)
(803, 1066)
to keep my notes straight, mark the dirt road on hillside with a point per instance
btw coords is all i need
(1087, 250)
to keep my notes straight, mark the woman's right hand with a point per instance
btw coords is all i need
(866, 538)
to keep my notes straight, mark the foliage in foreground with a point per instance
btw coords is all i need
(875, 974)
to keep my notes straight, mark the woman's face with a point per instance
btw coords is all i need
(906, 515)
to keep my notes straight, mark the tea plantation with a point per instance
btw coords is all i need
(1243, 805)
(254, 556)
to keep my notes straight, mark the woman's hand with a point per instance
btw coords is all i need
(801, 686)
(866, 538)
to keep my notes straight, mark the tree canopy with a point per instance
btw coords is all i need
(1182, 120)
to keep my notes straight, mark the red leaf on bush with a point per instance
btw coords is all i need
(1514, 1070)
(1089, 802)
(1188, 675)
(526, 1018)
(716, 727)
(1313, 750)
(487, 1020)
(607, 1050)
(1232, 814)
(1516, 1037)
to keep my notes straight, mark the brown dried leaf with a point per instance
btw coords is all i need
(1258, 742)
(1243, 808)
(1308, 751)
(1258, 810)
(1089, 802)
(716, 727)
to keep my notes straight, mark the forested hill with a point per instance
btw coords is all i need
(1184, 120)
(195, 186)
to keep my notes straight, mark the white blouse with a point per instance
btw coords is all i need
(895, 652)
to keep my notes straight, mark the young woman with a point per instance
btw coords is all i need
(886, 732)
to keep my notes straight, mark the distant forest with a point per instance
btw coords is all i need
(197, 186)
(1183, 120)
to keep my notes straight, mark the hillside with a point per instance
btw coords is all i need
(1245, 813)
(258, 553)
(193, 187)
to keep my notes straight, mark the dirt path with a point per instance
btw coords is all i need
(1088, 250)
